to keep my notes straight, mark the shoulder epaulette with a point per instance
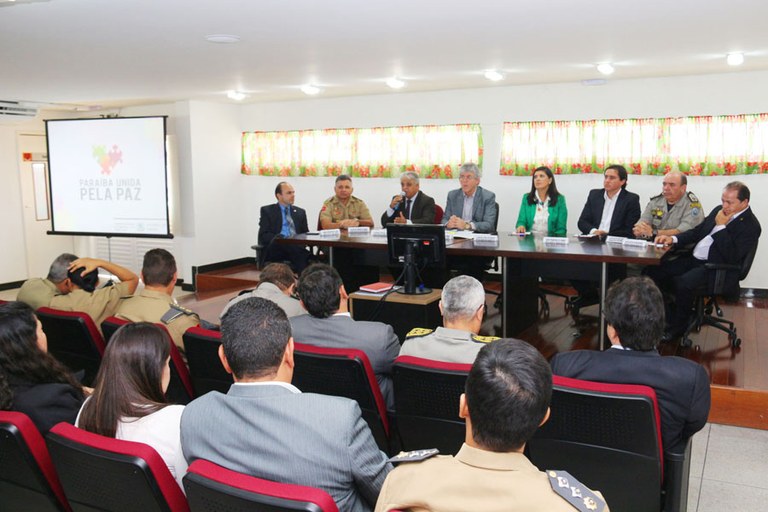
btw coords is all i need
(484, 339)
(418, 332)
(574, 492)
(656, 197)
(694, 200)
(174, 312)
(414, 456)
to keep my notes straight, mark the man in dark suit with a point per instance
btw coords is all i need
(329, 324)
(634, 312)
(728, 233)
(283, 220)
(411, 206)
(609, 211)
(267, 428)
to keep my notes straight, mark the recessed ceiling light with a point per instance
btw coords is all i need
(395, 83)
(493, 75)
(735, 59)
(310, 90)
(222, 38)
(236, 95)
(605, 68)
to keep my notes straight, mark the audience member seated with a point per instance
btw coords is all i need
(411, 206)
(38, 292)
(283, 220)
(31, 380)
(462, 304)
(267, 428)
(671, 212)
(98, 303)
(155, 303)
(726, 236)
(277, 283)
(634, 313)
(330, 325)
(128, 400)
(507, 397)
(543, 210)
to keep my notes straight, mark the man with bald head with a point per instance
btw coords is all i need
(283, 220)
(672, 212)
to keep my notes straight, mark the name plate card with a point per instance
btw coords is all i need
(615, 240)
(379, 232)
(359, 231)
(633, 243)
(557, 241)
(484, 239)
(330, 233)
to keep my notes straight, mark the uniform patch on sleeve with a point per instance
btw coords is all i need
(414, 456)
(484, 339)
(418, 332)
(695, 204)
(574, 492)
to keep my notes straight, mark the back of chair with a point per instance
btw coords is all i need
(596, 428)
(212, 488)
(73, 339)
(202, 349)
(438, 214)
(28, 480)
(180, 390)
(427, 403)
(110, 325)
(105, 474)
(347, 373)
(721, 271)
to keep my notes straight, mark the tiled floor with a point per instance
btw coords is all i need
(728, 470)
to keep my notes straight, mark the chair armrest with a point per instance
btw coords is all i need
(722, 266)
(677, 468)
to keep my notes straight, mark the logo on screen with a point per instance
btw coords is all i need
(107, 160)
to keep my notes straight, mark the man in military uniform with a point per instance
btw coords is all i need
(344, 210)
(462, 304)
(155, 303)
(38, 292)
(673, 211)
(99, 303)
(276, 283)
(507, 398)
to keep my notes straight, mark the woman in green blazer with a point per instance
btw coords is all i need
(543, 206)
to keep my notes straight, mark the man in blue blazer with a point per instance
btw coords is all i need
(283, 220)
(267, 428)
(726, 236)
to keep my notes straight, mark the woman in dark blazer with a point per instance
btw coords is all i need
(31, 380)
(543, 205)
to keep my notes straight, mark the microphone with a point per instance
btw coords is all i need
(399, 205)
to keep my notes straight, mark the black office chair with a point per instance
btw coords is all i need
(706, 303)
(202, 349)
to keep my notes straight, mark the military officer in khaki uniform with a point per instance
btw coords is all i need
(344, 210)
(155, 303)
(85, 297)
(509, 379)
(462, 304)
(38, 292)
(673, 211)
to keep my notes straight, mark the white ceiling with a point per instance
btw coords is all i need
(121, 52)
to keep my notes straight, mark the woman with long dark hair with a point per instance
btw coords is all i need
(31, 380)
(128, 400)
(543, 209)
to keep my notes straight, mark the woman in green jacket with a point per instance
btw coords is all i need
(543, 209)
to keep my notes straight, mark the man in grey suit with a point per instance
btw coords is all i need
(473, 208)
(330, 325)
(267, 428)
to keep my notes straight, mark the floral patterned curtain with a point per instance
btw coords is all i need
(716, 145)
(432, 151)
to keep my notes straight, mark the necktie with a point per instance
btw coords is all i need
(289, 220)
(407, 208)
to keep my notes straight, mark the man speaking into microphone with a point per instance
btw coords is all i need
(410, 206)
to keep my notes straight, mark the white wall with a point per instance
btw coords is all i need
(13, 262)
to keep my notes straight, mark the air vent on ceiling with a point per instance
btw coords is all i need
(16, 109)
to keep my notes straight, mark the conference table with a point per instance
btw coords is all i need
(522, 257)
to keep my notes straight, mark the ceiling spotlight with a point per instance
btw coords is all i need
(605, 68)
(395, 83)
(735, 59)
(310, 90)
(493, 75)
(236, 95)
(222, 38)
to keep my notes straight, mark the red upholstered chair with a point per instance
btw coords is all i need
(438, 214)
(427, 403)
(110, 325)
(347, 373)
(601, 434)
(202, 349)
(74, 340)
(212, 488)
(101, 473)
(28, 480)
